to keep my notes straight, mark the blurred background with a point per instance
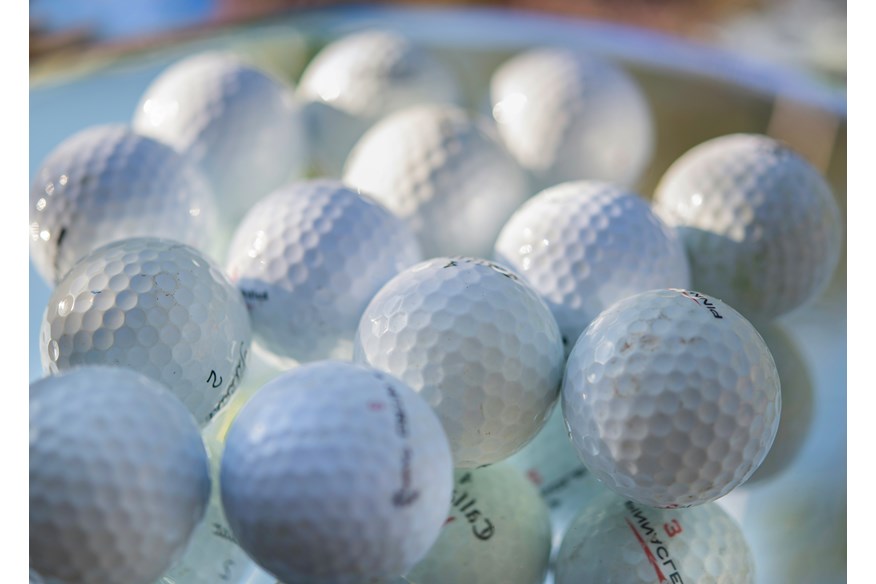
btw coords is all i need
(808, 35)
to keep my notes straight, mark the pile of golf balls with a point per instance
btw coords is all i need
(442, 293)
(359, 79)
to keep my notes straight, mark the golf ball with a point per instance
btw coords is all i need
(614, 541)
(569, 116)
(585, 245)
(760, 224)
(362, 77)
(156, 306)
(107, 183)
(671, 398)
(444, 173)
(478, 344)
(118, 477)
(308, 258)
(239, 124)
(498, 531)
(334, 472)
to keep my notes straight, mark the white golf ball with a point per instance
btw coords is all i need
(585, 245)
(118, 477)
(498, 531)
(362, 77)
(156, 306)
(308, 258)
(569, 116)
(671, 398)
(107, 183)
(334, 472)
(614, 541)
(443, 172)
(477, 343)
(239, 124)
(760, 224)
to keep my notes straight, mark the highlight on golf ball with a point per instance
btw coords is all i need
(107, 183)
(239, 124)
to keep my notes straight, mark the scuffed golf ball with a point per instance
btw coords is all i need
(671, 398)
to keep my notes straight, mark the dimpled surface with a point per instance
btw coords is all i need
(760, 224)
(308, 259)
(585, 245)
(671, 398)
(477, 343)
(363, 77)
(334, 472)
(239, 124)
(156, 306)
(118, 477)
(568, 116)
(498, 531)
(442, 172)
(107, 183)
(620, 542)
